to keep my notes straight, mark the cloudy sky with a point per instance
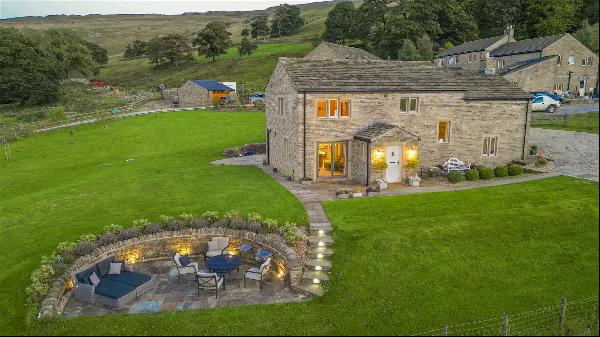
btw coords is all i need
(18, 8)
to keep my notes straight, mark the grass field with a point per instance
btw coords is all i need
(401, 265)
(585, 122)
(254, 71)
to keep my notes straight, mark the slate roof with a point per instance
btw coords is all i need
(377, 130)
(470, 47)
(525, 46)
(523, 64)
(211, 85)
(346, 52)
(394, 76)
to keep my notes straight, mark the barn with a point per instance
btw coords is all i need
(201, 92)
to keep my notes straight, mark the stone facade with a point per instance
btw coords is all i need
(190, 94)
(161, 246)
(470, 121)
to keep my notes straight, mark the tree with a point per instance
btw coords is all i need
(339, 25)
(99, 54)
(171, 48)
(370, 13)
(286, 21)
(213, 40)
(247, 46)
(68, 48)
(457, 25)
(584, 35)
(387, 39)
(424, 48)
(29, 74)
(259, 26)
(408, 51)
(135, 49)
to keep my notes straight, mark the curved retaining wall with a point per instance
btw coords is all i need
(161, 246)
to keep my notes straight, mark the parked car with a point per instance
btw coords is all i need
(555, 97)
(258, 97)
(544, 103)
(226, 100)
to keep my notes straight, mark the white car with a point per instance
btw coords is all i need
(544, 103)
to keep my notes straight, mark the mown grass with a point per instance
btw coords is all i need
(584, 122)
(254, 71)
(402, 264)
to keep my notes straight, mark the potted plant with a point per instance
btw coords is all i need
(412, 164)
(343, 194)
(306, 181)
(380, 166)
(533, 150)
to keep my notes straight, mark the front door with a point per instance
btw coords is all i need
(392, 156)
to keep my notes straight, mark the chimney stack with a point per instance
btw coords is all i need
(510, 32)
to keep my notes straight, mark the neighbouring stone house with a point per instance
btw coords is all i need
(329, 119)
(198, 93)
(558, 63)
(332, 51)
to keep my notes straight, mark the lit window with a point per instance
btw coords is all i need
(333, 108)
(489, 146)
(414, 104)
(345, 109)
(404, 105)
(321, 109)
(443, 132)
(571, 60)
(280, 105)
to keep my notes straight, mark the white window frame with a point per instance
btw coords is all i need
(408, 100)
(470, 58)
(584, 62)
(559, 60)
(280, 105)
(571, 60)
(340, 108)
(416, 105)
(337, 108)
(489, 146)
(500, 64)
(448, 131)
(559, 87)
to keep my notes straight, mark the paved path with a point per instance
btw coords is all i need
(572, 109)
(575, 153)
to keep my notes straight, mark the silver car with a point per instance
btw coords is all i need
(544, 103)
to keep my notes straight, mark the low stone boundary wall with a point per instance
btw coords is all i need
(162, 245)
(257, 148)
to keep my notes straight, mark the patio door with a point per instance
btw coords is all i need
(392, 156)
(332, 160)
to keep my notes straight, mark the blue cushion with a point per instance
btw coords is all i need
(84, 276)
(111, 289)
(129, 278)
(184, 260)
(104, 266)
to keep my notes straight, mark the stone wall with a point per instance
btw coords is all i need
(258, 148)
(541, 76)
(190, 94)
(162, 246)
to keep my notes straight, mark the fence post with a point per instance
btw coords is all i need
(505, 325)
(566, 120)
(563, 314)
(445, 330)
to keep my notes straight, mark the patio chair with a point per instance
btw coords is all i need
(216, 246)
(209, 281)
(258, 273)
(189, 269)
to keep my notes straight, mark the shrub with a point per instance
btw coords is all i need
(515, 170)
(486, 173)
(210, 216)
(254, 217)
(199, 223)
(472, 175)
(541, 162)
(433, 172)
(175, 225)
(113, 229)
(186, 218)
(84, 247)
(270, 225)
(36, 292)
(455, 177)
(43, 274)
(165, 219)
(88, 237)
(56, 262)
(140, 223)
(501, 171)
(107, 239)
(151, 228)
(231, 216)
(128, 233)
(290, 233)
(255, 227)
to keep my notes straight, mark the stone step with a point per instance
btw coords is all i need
(320, 225)
(310, 289)
(318, 264)
(315, 239)
(312, 276)
(320, 252)
(321, 231)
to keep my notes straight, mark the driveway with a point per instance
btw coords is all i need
(572, 109)
(575, 153)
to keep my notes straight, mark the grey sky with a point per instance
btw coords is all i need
(19, 8)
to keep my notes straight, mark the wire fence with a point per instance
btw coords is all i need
(584, 122)
(547, 119)
(568, 318)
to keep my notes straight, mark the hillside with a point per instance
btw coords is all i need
(114, 32)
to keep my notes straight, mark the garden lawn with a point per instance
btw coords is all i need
(402, 264)
(584, 122)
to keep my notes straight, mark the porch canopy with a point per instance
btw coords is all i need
(378, 132)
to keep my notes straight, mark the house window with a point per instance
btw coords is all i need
(443, 132)
(451, 60)
(584, 61)
(363, 150)
(457, 59)
(280, 105)
(332, 160)
(515, 83)
(321, 109)
(409, 104)
(470, 58)
(559, 60)
(589, 61)
(571, 60)
(489, 146)
(500, 64)
(558, 87)
(333, 108)
(344, 108)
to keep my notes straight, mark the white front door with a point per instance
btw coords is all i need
(392, 156)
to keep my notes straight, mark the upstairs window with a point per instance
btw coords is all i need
(280, 105)
(500, 64)
(584, 61)
(559, 60)
(414, 104)
(489, 146)
(558, 87)
(333, 108)
(409, 104)
(571, 60)
(443, 132)
(470, 58)
(344, 108)
(321, 109)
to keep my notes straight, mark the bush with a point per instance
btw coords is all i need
(231, 216)
(56, 262)
(501, 171)
(186, 218)
(455, 177)
(140, 223)
(254, 217)
(128, 233)
(541, 162)
(151, 228)
(255, 227)
(515, 170)
(433, 172)
(472, 175)
(36, 292)
(107, 239)
(113, 229)
(199, 223)
(165, 219)
(210, 216)
(84, 247)
(270, 225)
(486, 173)
(290, 233)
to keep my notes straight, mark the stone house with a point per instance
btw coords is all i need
(558, 63)
(198, 93)
(332, 51)
(333, 119)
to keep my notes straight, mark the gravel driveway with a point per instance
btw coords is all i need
(575, 153)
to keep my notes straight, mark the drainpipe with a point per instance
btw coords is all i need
(268, 146)
(368, 162)
(525, 133)
(304, 137)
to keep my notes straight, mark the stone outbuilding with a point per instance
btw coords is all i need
(198, 93)
(334, 119)
(558, 63)
(332, 51)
